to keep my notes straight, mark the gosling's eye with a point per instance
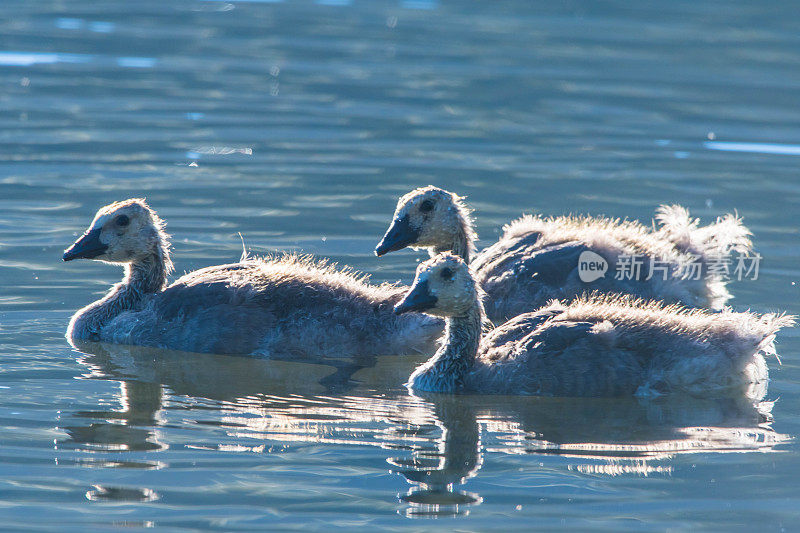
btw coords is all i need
(426, 206)
(447, 273)
(122, 220)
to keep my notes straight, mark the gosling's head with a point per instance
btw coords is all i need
(428, 217)
(123, 232)
(443, 286)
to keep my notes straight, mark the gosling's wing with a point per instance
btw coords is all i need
(582, 359)
(208, 287)
(516, 327)
(525, 339)
(551, 265)
(281, 286)
(525, 276)
(564, 358)
(498, 254)
(210, 310)
(284, 308)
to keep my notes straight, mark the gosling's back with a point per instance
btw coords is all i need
(537, 260)
(287, 306)
(618, 346)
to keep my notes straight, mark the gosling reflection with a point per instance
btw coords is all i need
(630, 436)
(216, 377)
(123, 429)
(436, 472)
(264, 406)
(149, 377)
(598, 436)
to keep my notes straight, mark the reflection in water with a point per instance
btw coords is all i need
(13, 58)
(634, 428)
(119, 430)
(759, 148)
(128, 428)
(120, 494)
(455, 458)
(534, 107)
(437, 441)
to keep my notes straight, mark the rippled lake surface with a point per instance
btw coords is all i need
(298, 124)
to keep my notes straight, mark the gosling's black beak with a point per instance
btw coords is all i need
(87, 247)
(418, 299)
(399, 235)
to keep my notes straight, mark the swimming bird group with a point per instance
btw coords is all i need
(517, 317)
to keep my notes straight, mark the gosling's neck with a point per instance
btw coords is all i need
(460, 241)
(146, 276)
(447, 370)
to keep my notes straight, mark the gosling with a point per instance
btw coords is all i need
(596, 345)
(537, 258)
(287, 306)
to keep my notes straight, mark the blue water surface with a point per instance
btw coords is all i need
(299, 123)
